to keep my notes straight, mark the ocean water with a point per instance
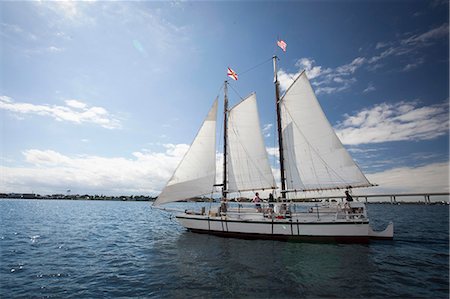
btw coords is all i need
(93, 249)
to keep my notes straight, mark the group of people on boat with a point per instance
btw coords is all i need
(271, 208)
(257, 200)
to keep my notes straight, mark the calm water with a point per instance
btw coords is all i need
(91, 249)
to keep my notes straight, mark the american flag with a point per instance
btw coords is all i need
(282, 44)
(232, 74)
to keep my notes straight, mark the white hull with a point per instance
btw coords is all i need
(295, 228)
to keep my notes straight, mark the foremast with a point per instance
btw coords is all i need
(225, 139)
(279, 127)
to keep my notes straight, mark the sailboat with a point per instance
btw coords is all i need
(311, 158)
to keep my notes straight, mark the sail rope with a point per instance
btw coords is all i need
(254, 67)
(235, 91)
(247, 71)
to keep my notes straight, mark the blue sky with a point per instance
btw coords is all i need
(105, 97)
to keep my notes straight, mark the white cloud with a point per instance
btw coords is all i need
(54, 49)
(394, 122)
(424, 38)
(351, 67)
(51, 172)
(433, 177)
(388, 52)
(307, 65)
(266, 130)
(68, 8)
(75, 104)
(332, 80)
(148, 171)
(327, 80)
(369, 88)
(380, 45)
(330, 90)
(428, 178)
(75, 111)
(73, 12)
(409, 44)
(273, 151)
(286, 79)
(413, 65)
(10, 30)
(45, 158)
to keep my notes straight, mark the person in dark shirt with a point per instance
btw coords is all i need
(348, 197)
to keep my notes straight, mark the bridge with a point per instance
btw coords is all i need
(392, 198)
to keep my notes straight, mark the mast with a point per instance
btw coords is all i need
(225, 138)
(280, 135)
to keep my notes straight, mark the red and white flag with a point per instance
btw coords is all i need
(232, 74)
(282, 44)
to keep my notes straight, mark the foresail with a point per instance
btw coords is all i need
(315, 159)
(196, 173)
(248, 165)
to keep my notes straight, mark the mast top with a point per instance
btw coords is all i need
(275, 72)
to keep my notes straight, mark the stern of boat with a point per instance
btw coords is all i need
(386, 234)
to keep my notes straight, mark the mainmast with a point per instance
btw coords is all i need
(280, 135)
(225, 138)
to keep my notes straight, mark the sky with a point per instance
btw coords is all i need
(105, 97)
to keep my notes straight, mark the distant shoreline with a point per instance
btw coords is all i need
(76, 197)
(136, 198)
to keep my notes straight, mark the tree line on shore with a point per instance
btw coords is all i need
(77, 197)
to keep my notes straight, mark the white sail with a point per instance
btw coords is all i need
(196, 173)
(248, 165)
(314, 157)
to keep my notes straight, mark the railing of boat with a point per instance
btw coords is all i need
(292, 210)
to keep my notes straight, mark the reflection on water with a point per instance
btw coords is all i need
(273, 268)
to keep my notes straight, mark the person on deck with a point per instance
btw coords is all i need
(348, 197)
(271, 201)
(257, 200)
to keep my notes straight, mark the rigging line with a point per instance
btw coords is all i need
(292, 77)
(311, 147)
(254, 67)
(244, 72)
(236, 91)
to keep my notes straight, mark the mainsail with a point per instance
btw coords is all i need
(314, 157)
(196, 172)
(248, 165)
